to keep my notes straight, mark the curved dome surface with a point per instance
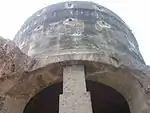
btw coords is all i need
(76, 27)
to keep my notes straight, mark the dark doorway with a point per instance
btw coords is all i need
(104, 99)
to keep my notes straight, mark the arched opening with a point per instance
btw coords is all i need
(104, 99)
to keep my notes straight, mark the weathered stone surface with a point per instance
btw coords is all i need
(93, 33)
(12, 59)
(25, 85)
(75, 98)
(72, 33)
(12, 65)
(132, 84)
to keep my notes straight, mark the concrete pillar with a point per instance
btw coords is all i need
(75, 98)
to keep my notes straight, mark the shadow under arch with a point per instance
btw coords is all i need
(104, 99)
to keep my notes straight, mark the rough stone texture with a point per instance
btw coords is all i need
(75, 98)
(12, 64)
(12, 59)
(81, 33)
(19, 88)
(84, 30)
(132, 84)
(74, 79)
(75, 103)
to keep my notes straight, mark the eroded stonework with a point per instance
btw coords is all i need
(67, 34)
(75, 98)
(12, 59)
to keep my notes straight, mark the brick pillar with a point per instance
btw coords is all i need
(75, 98)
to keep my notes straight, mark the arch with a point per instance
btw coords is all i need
(125, 81)
(122, 80)
(104, 99)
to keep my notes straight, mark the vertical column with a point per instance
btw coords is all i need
(75, 98)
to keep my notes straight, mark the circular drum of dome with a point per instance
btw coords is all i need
(77, 27)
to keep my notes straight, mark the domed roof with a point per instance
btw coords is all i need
(76, 26)
(61, 11)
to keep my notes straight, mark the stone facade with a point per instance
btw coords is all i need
(75, 98)
(12, 59)
(66, 34)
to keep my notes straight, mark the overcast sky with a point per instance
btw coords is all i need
(136, 13)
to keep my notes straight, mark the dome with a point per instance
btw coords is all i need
(77, 27)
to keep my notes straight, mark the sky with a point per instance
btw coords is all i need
(135, 13)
